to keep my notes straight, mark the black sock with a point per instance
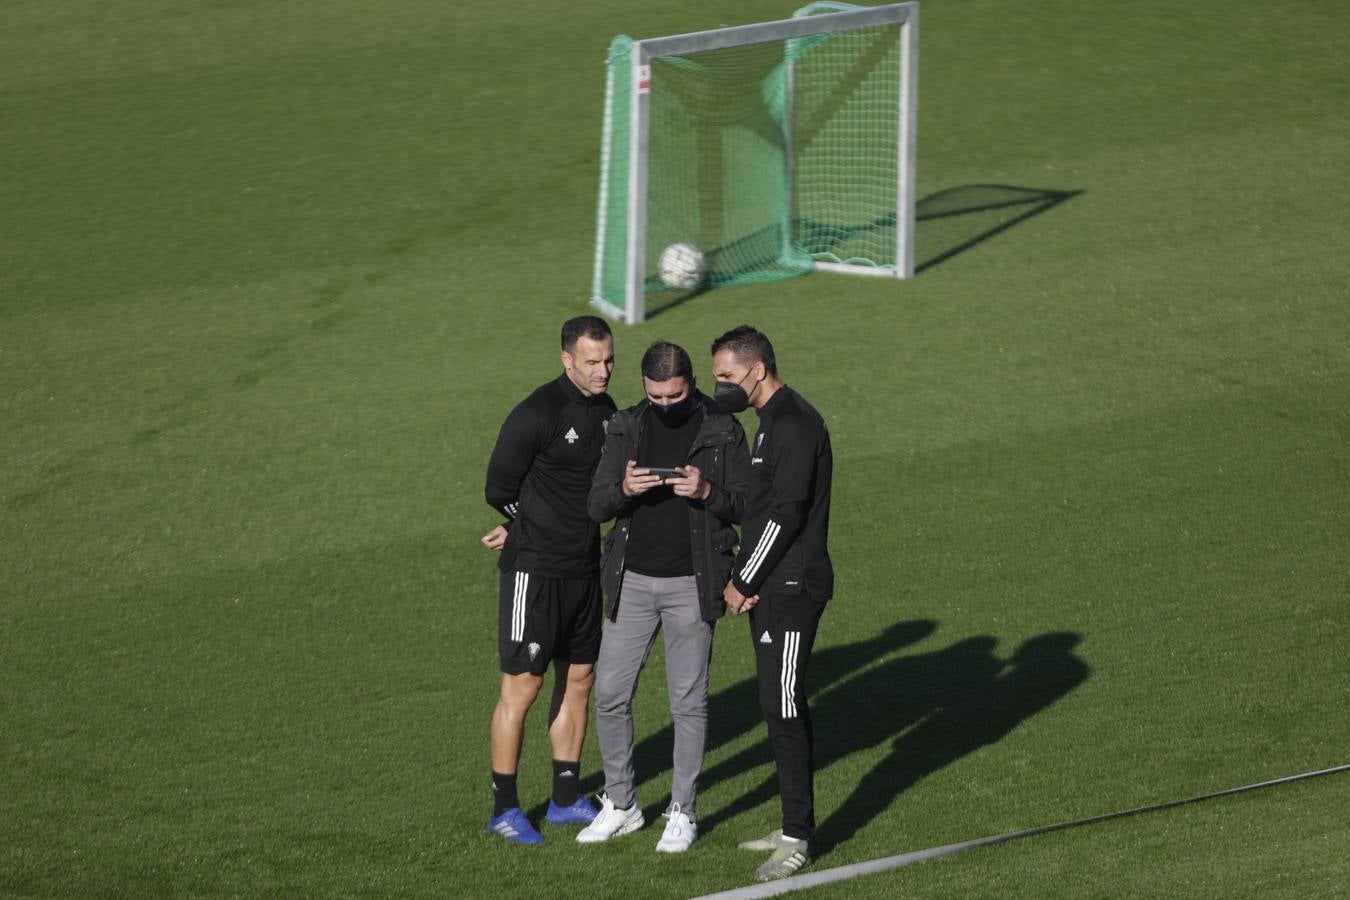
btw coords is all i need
(503, 793)
(565, 782)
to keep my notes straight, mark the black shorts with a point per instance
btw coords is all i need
(540, 619)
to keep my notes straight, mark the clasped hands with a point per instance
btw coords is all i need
(737, 602)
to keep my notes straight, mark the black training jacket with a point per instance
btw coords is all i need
(719, 452)
(539, 476)
(783, 537)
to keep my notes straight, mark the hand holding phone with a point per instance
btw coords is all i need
(638, 480)
(690, 485)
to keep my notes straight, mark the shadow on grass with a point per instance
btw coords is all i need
(931, 708)
(734, 712)
(954, 220)
(947, 223)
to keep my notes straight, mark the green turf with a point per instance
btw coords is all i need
(1237, 846)
(271, 275)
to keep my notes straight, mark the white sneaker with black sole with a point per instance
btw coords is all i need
(611, 822)
(680, 831)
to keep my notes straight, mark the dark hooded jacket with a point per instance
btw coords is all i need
(720, 453)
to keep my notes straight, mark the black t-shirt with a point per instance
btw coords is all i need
(658, 544)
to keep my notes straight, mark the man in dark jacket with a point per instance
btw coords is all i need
(549, 606)
(783, 575)
(674, 476)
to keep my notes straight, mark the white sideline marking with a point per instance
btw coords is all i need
(842, 873)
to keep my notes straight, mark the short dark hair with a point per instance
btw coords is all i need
(749, 344)
(664, 361)
(593, 327)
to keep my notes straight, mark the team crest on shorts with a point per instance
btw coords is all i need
(534, 651)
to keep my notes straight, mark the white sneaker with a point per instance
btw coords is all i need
(611, 822)
(680, 831)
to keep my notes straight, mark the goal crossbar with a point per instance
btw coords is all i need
(737, 35)
(626, 148)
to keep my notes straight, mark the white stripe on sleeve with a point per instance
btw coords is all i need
(766, 540)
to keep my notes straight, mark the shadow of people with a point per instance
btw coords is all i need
(734, 711)
(869, 710)
(963, 715)
(934, 707)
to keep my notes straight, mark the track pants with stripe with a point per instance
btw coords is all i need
(784, 630)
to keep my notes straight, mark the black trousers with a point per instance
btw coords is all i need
(784, 630)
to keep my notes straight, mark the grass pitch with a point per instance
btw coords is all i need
(271, 276)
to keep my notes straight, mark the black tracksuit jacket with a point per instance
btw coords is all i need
(540, 475)
(783, 536)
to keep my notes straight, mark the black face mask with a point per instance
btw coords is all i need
(674, 414)
(732, 397)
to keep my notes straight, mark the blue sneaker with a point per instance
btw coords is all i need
(513, 826)
(581, 812)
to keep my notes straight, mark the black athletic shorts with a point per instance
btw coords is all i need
(541, 619)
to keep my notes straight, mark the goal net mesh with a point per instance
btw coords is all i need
(766, 156)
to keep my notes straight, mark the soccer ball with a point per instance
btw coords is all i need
(681, 266)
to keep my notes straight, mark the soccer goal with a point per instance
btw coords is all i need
(775, 149)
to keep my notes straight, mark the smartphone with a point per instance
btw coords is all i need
(662, 471)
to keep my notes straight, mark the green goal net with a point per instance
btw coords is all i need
(774, 149)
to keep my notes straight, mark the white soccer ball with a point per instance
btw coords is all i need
(681, 266)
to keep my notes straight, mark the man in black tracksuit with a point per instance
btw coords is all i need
(539, 477)
(782, 575)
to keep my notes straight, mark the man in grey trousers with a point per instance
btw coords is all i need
(674, 474)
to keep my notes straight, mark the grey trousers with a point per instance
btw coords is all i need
(647, 606)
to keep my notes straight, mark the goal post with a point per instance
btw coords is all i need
(775, 148)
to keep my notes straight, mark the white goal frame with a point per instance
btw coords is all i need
(807, 23)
